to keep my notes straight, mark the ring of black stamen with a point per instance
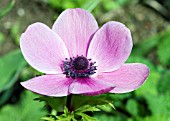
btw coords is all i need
(79, 67)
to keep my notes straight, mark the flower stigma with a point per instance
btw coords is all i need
(79, 66)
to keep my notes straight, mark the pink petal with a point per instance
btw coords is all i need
(49, 85)
(75, 27)
(89, 86)
(43, 48)
(127, 78)
(110, 46)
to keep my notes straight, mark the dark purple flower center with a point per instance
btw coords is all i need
(78, 66)
(80, 63)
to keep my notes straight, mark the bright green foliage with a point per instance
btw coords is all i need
(26, 110)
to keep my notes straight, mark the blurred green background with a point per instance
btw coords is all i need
(148, 21)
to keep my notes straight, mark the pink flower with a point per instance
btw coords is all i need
(79, 58)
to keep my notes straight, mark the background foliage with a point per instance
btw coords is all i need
(151, 35)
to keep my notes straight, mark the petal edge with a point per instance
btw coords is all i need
(127, 78)
(110, 46)
(75, 27)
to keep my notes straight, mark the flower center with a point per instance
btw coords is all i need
(78, 66)
(80, 63)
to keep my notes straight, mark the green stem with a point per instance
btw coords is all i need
(68, 103)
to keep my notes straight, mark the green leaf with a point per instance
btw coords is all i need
(159, 105)
(90, 5)
(156, 117)
(4, 11)
(65, 4)
(81, 100)
(106, 117)
(150, 43)
(163, 50)
(132, 107)
(26, 110)
(164, 82)
(48, 118)
(56, 103)
(5, 96)
(15, 33)
(87, 108)
(10, 67)
(66, 112)
(86, 117)
(115, 4)
(67, 116)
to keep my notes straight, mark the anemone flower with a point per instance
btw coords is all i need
(77, 57)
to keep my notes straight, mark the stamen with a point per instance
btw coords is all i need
(79, 67)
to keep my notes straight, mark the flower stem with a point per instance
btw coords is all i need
(68, 103)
